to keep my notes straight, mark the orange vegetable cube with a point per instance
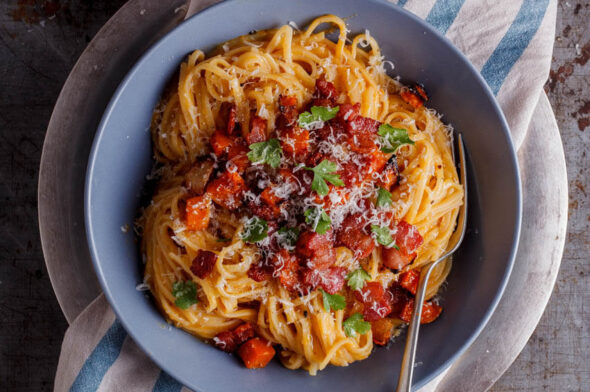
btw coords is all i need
(238, 155)
(289, 177)
(376, 163)
(382, 330)
(227, 190)
(389, 177)
(396, 259)
(288, 101)
(413, 99)
(198, 212)
(256, 353)
(430, 312)
(220, 142)
(268, 209)
(269, 197)
(257, 130)
(409, 280)
(295, 142)
(362, 142)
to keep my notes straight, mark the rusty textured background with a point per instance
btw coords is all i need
(40, 42)
(557, 357)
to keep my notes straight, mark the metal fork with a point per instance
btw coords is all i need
(407, 369)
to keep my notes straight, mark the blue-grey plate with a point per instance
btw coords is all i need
(121, 157)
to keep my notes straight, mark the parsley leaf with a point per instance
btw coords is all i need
(383, 236)
(383, 197)
(255, 230)
(392, 138)
(185, 294)
(318, 219)
(316, 118)
(356, 279)
(322, 173)
(355, 324)
(287, 237)
(266, 152)
(333, 301)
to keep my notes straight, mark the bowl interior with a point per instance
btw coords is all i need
(121, 158)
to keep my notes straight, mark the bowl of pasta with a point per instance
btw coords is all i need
(288, 175)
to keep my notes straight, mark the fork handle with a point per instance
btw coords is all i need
(404, 383)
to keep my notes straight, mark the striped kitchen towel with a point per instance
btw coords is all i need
(509, 41)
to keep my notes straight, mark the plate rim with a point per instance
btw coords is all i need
(498, 112)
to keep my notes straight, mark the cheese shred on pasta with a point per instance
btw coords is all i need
(253, 72)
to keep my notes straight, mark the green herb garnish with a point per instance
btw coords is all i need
(266, 152)
(322, 173)
(383, 197)
(316, 118)
(185, 294)
(255, 230)
(392, 138)
(318, 219)
(357, 278)
(383, 236)
(333, 301)
(287, 237)
(355, 324)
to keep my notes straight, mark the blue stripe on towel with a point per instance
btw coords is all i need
(513, 44)
(443, 14)
(101, 359)
(165, 383)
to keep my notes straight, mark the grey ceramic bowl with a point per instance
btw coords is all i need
(121, 158)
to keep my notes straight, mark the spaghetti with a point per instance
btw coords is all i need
(301, 191)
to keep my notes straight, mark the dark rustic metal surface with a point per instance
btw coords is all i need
(557, 357)
(40, 42)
